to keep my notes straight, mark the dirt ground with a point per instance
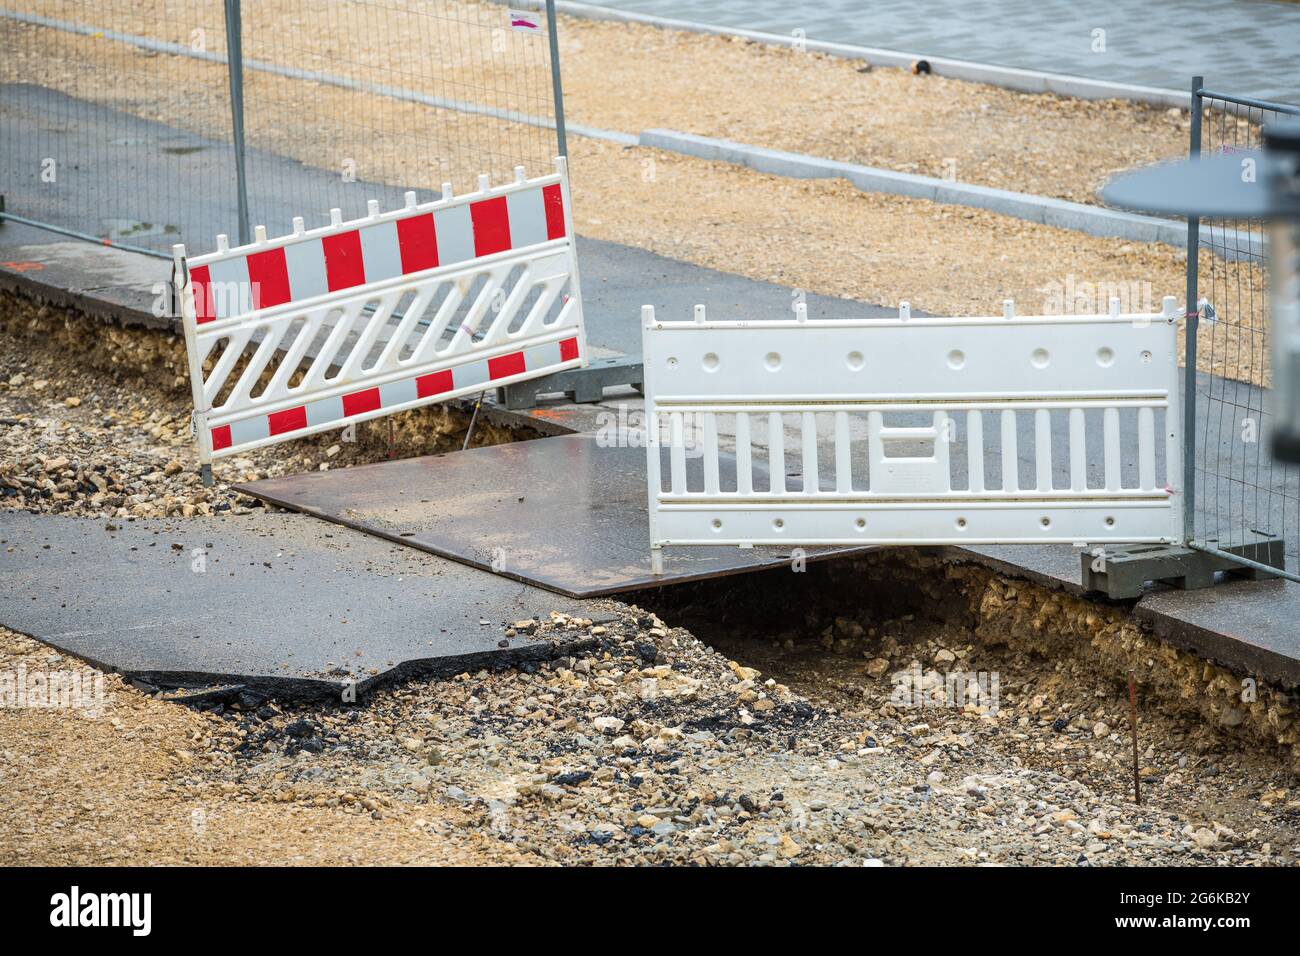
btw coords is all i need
(631, 77)
(655, 748)
(114, 789)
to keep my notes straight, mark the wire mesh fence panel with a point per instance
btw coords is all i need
(116, 118)
(118, 115)
(346, 102)
(1244, 498)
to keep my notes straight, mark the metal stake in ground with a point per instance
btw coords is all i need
(472, 419)
(1133, 725)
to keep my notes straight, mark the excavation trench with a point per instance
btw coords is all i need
(897, 633)
(915, 635)
(109, 406)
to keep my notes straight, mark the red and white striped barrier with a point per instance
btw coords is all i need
(300, 334)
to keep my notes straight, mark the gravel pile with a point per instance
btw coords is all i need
(1073, 656)
(649, 747)
(102, 427)
(655, 748)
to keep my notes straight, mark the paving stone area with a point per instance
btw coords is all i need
(1240, 46)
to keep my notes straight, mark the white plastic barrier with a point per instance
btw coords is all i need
(911, 430)
(359, 319)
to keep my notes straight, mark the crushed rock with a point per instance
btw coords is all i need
(570, 761)
(100, 426)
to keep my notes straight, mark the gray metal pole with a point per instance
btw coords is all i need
(556, 88)
(235, 69)
(1189, 350)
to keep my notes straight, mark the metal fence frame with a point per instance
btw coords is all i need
(1266, 553)
(234, 62)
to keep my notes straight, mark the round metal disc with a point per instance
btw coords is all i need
(1228, 186)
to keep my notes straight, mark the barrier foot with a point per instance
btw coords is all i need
(656, 561)
(578, 385)
(1121, 572)
(205, 475)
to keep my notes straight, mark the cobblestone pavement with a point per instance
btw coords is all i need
(1239, 46)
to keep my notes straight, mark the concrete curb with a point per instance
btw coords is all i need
(1008, 77)
(1093, 220)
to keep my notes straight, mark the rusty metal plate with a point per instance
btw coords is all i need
(563, 513)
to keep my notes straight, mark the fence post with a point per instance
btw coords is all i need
(556, 89)
(235, 69)
(1193, 312)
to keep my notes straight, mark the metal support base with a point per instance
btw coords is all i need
(1122, 572)
(578, 384)
(205, 475)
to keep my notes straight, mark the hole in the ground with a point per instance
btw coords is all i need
(140, 384)
(825, 628)
(925, 649)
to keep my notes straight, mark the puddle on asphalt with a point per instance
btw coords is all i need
(135, 229)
